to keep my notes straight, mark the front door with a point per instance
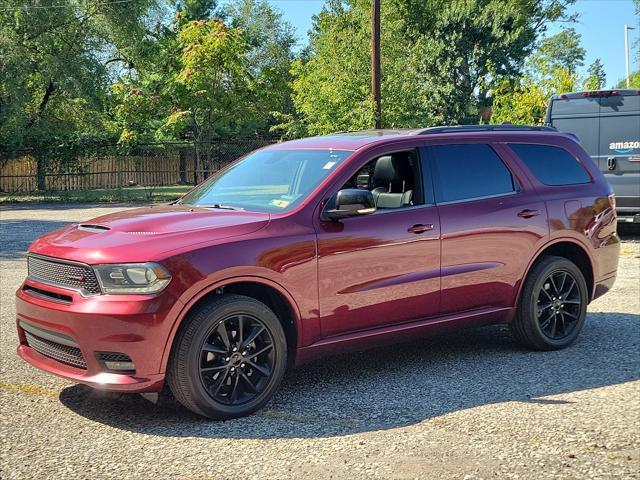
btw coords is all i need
(382, 268)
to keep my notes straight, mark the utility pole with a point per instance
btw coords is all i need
(375, 62)
(626, 52)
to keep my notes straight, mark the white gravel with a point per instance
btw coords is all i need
(467, 405)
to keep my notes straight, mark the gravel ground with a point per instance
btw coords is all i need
(466, 405)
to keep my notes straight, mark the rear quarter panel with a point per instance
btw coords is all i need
(581, 213)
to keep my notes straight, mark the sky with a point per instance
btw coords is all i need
(601, 25)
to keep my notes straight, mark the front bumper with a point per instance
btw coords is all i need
(134, 325)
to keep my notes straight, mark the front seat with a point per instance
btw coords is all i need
(393, 180)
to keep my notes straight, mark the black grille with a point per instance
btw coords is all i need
(113, 357)
(58, 272)
(62, 353)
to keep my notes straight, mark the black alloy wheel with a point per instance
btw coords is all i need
(552, 306)
(559, 302)
(228, 358)
(237, 359)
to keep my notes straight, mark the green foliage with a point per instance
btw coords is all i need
(96, 72)
(550, 70)
(209, 77)
(597, 77)
(526, 102)
(213, 87)
(270, 41)
(54, 72)
(634, 81)
(561, 50)
(438, 59)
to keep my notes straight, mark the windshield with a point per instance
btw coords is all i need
(267, 180)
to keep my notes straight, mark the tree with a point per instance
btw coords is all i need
(551, 69)
(162, 101)
(526, 102)
(634, 81)
(270, 41)
(214, 88)
(597, 77)
(438, 59)
(562, 50)
(54, 74)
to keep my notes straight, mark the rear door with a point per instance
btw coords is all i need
(620, 148)
(491, 222)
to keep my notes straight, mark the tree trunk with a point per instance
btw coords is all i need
(41, 173)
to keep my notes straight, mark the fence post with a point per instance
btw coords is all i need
(183, 166)
(119, 163)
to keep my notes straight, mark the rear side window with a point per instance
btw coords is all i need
(551, 165)
(466, 172)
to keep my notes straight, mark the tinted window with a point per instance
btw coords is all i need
(551, 165)
(469, 171)
(574, 106)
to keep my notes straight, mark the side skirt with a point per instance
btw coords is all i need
(403, 332)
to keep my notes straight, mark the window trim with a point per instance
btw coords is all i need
(517, 187)
(485, 197)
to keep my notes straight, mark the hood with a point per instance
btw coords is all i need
(145, 234)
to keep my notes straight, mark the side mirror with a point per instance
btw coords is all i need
(351, 202)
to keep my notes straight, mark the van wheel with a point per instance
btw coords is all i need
(228, 359)
(552, 306)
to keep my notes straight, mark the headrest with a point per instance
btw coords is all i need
(392, 169)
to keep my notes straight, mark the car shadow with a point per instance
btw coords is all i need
(398, 386)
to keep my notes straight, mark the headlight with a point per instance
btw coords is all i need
(132, 277)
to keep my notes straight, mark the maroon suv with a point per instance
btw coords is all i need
(315, 246)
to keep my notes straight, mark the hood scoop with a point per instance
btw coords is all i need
(88, 227)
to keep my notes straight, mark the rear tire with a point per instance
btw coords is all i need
(228, 358)
(553, 305)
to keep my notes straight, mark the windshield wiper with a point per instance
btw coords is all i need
(220, 206)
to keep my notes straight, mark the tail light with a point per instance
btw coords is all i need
(601, 93)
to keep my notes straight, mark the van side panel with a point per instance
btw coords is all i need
(620, 148)
(609, 131)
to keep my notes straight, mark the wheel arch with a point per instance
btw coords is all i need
(264, 290)
(571, 250)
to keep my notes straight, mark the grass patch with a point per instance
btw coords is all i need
(108, 195)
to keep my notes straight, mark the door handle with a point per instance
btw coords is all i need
(420, 228)
(529, 213)
(611, 163)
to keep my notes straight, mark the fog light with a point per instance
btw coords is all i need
(112, 365)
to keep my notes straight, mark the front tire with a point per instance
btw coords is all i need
(228, 358)
(552, 306)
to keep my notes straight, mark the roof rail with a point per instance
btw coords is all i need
(487, 128)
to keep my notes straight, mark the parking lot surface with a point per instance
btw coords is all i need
(464, 405)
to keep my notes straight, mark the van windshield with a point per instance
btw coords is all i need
(267, 180)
